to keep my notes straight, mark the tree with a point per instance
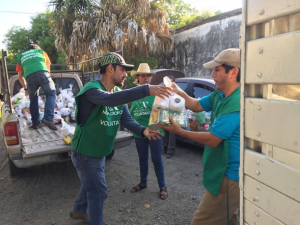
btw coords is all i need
(86, 28)
(182, 14)
(17, 39)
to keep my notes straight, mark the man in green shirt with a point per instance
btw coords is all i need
(33, 67)
(101, 107)
(221, 157)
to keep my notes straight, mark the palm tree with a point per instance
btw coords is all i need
(88, 28)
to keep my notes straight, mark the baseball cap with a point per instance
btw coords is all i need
(230, 57)
(114, 58)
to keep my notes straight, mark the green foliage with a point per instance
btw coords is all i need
(181, 13)
(17, 39)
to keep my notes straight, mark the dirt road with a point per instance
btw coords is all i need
(45, 194)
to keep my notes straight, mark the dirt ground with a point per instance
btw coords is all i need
(45, 194)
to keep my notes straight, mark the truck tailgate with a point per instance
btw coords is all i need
(44, 141)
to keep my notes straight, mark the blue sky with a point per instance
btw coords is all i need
(33, 7)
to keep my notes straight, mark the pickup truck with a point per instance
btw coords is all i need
(41, 146)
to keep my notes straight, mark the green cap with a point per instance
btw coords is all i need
(115, 59)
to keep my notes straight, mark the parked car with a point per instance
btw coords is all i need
(196, 88)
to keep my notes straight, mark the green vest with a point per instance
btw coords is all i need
(141, 110)
(32, 61)
(96, 137)
(215, 160)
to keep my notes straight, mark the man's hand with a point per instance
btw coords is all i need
(193, 124)
(173, 127)
(152, 135)
(26, 93)
(160, 91)
(176, 89)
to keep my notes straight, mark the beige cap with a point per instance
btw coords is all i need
(230, 57)
(143, 69)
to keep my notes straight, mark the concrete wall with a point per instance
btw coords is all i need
(200, 44)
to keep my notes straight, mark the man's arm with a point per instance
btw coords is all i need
(99, 97)
(128, 122)
(205, 138)
(136, 128)
(22, 80)
(190, 103)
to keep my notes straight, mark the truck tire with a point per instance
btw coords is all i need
(111, 154)
(13, 170)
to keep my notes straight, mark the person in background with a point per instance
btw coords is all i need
(101, 108)
(33, 67)
(141, 110)
(221, 158)
(169, 140)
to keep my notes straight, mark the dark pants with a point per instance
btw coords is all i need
(34, 82)
(169, 142)
(93, 191)
(142, 146)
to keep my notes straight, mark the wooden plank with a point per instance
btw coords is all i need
(254, 215)
(261, 11)
(268, 120)
(269, 65)
(279, 206)
(279, 176)
(287, 157)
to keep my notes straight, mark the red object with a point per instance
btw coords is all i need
(11, 133)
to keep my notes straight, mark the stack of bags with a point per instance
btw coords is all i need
(64, 110)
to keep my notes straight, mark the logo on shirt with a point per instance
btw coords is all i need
(112, 111)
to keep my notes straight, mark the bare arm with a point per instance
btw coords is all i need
(205, 138)
(22, 80)
(190, 103)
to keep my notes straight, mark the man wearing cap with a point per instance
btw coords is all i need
(221, 158)
(101, 107)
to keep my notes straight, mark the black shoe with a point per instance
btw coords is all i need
(37, 126)
(49, 124)
(79, 216)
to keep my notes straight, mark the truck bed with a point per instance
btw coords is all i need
(44, 141)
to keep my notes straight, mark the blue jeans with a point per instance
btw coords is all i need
(34, 82)
(93, 191)
(142, 146)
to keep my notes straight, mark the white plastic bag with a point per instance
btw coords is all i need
(160, 103)
(66, 129)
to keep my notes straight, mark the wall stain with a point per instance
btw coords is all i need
(188, 56)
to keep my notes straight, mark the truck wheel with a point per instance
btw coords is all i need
(111, 154)
(13, 170)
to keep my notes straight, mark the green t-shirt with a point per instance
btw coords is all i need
(32, 61)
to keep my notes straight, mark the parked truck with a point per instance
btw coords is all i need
(270, 113)
(40, 146)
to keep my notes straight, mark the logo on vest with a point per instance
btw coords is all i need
(112, 111)
(109, 123)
